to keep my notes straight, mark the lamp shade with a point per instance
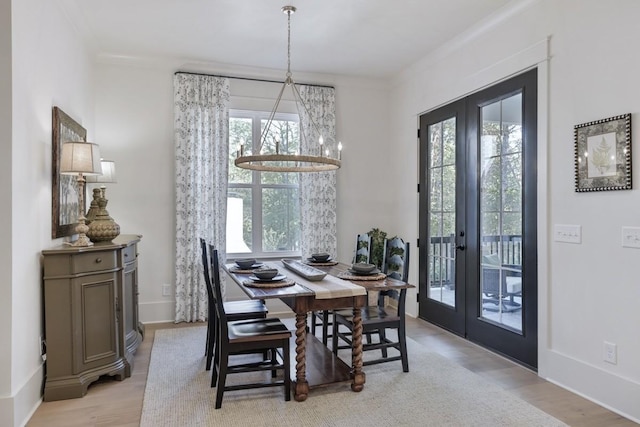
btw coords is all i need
(80, 158)
(108, 173)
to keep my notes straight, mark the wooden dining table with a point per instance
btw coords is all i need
(304, 296)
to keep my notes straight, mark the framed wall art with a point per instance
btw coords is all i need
(65, 191)
(603, 154)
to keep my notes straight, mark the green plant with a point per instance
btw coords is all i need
(377, 246)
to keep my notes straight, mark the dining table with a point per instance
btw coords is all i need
(336, 290)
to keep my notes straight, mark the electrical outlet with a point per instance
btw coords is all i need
(630, 237)
(610, 352)
(166, 290)
(567, 233)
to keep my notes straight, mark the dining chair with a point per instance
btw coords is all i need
(377, 319)
(362, 253)
(242, 337)
(236, 310)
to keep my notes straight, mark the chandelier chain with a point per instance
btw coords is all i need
(289, 12)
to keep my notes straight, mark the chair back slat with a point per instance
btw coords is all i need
(217, 291)
(206, 265)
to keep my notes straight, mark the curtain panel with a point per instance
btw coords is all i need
(201, 126)
(318, 189)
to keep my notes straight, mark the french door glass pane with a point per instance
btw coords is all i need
(442, 205)
(501, 212)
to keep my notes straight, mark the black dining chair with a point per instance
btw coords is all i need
(236, 310)
(241, 337)
(377, 319)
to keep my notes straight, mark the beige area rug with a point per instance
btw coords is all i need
(436, 392)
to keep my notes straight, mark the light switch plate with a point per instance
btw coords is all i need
(631, 237)
(567, 233)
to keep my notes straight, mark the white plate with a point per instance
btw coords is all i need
(253, 267)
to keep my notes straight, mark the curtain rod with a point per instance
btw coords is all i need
(249, 78)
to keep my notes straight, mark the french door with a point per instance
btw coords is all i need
(478, 253)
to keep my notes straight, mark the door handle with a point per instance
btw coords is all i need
(461, 247)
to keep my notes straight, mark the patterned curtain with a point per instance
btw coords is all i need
(201, 129)
(318, 189)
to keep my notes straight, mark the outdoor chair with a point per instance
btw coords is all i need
(501, 284)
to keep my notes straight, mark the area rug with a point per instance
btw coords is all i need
(436, 392)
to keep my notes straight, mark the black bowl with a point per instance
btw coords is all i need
(363, 267)
(265, 273)
(321, 257)
(245, 263)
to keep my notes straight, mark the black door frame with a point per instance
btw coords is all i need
(465, 319)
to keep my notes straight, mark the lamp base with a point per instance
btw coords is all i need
(82, 240)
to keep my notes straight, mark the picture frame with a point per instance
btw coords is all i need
(65, 190)
(603, 154)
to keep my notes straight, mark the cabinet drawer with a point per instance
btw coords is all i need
(93, 261)
(129, 254)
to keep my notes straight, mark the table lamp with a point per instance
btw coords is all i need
(80, 159)
(102, 228)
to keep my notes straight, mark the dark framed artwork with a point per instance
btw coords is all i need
(65, 191)
(603, 154)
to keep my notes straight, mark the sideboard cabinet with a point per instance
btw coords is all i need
(91, 314)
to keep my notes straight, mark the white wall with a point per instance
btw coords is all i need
(588, 293)
(6, 407)
(134, 127)
(50, 67)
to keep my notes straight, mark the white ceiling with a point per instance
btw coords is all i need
(373, 38)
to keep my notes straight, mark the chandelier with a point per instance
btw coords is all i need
(286, 162)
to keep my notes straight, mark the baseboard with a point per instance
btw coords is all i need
(16, 410)
(616, 393)
(157, 311)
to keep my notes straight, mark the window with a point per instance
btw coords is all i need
(263, 209)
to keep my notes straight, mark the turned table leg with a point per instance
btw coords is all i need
(301, 386)
(356, 352)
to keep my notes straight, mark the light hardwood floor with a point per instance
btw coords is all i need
(119, 403)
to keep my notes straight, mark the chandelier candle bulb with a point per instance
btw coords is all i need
(339, 150)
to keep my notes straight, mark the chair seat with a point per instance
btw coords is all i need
(370, 316)
(257, 329)
(250, 309)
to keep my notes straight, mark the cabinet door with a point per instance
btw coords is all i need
(95, 328)
(130, 314)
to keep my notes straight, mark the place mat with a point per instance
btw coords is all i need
(321, 264)
(350, 276)
(278, 284)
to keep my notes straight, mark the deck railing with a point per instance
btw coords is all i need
(442, 255)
